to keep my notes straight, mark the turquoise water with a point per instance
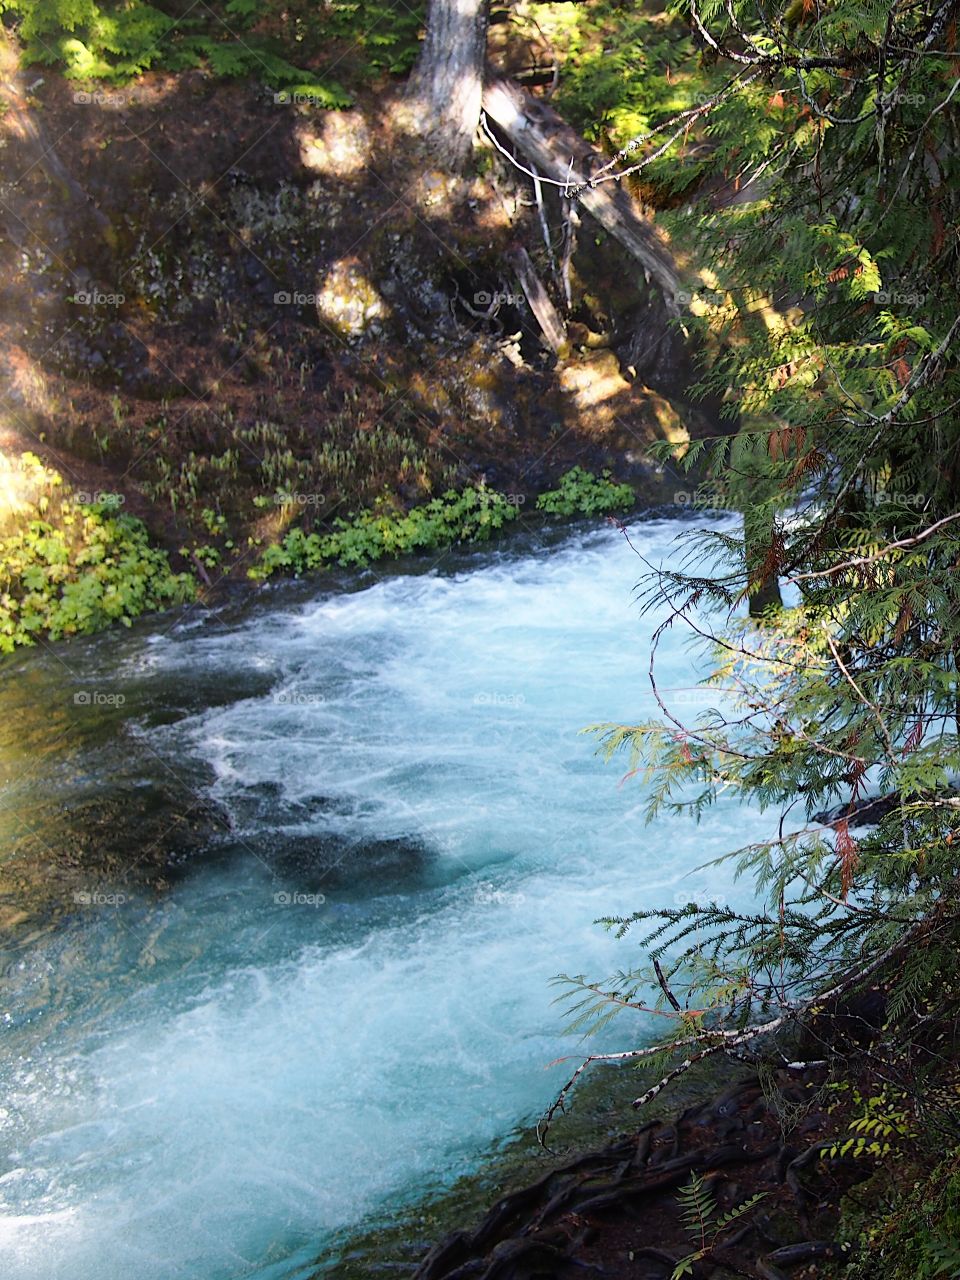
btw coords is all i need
(346, 997)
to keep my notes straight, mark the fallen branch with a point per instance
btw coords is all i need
(563, 158)
(548, 318)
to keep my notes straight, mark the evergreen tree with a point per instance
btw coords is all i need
(447, 83)
(833, 320)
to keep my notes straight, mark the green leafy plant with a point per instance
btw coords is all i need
(704, 1223)
(75, 568)
(882, 1120)
(620, 66)
(472, 515)
(115, 42)
(203, 553)
(580, 493)
(386, 36)
(214, 523)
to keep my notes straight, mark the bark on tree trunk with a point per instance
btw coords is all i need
(446, 85)
(766, 592)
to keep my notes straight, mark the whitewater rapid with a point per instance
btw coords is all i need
(353, 1001)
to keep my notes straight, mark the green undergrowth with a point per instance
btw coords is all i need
(116, 42)
(580, 493)
(472, 515)
(907, 1222)
(623, 71)
(72, 567)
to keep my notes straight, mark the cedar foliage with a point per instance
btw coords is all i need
(826, 293)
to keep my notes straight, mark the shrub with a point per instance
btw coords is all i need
(582, 494)
(116, 42)
(470, 516)
(80, 569)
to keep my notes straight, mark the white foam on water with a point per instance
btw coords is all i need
(235, 1075)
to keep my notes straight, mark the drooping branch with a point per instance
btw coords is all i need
(708, 1042)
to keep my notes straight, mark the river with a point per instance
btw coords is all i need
(299, 873)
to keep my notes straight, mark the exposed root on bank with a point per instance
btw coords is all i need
(614, 1212)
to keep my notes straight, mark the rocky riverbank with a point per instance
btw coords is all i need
(288, 318)
(604, 1199)
(750, 1156)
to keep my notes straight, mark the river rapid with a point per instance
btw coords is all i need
(300, 872)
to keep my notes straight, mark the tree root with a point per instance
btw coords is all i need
(553, 1226)
(803, 1161)
(792, 1255)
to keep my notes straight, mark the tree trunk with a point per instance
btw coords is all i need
(766, 586)
(446, 85)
